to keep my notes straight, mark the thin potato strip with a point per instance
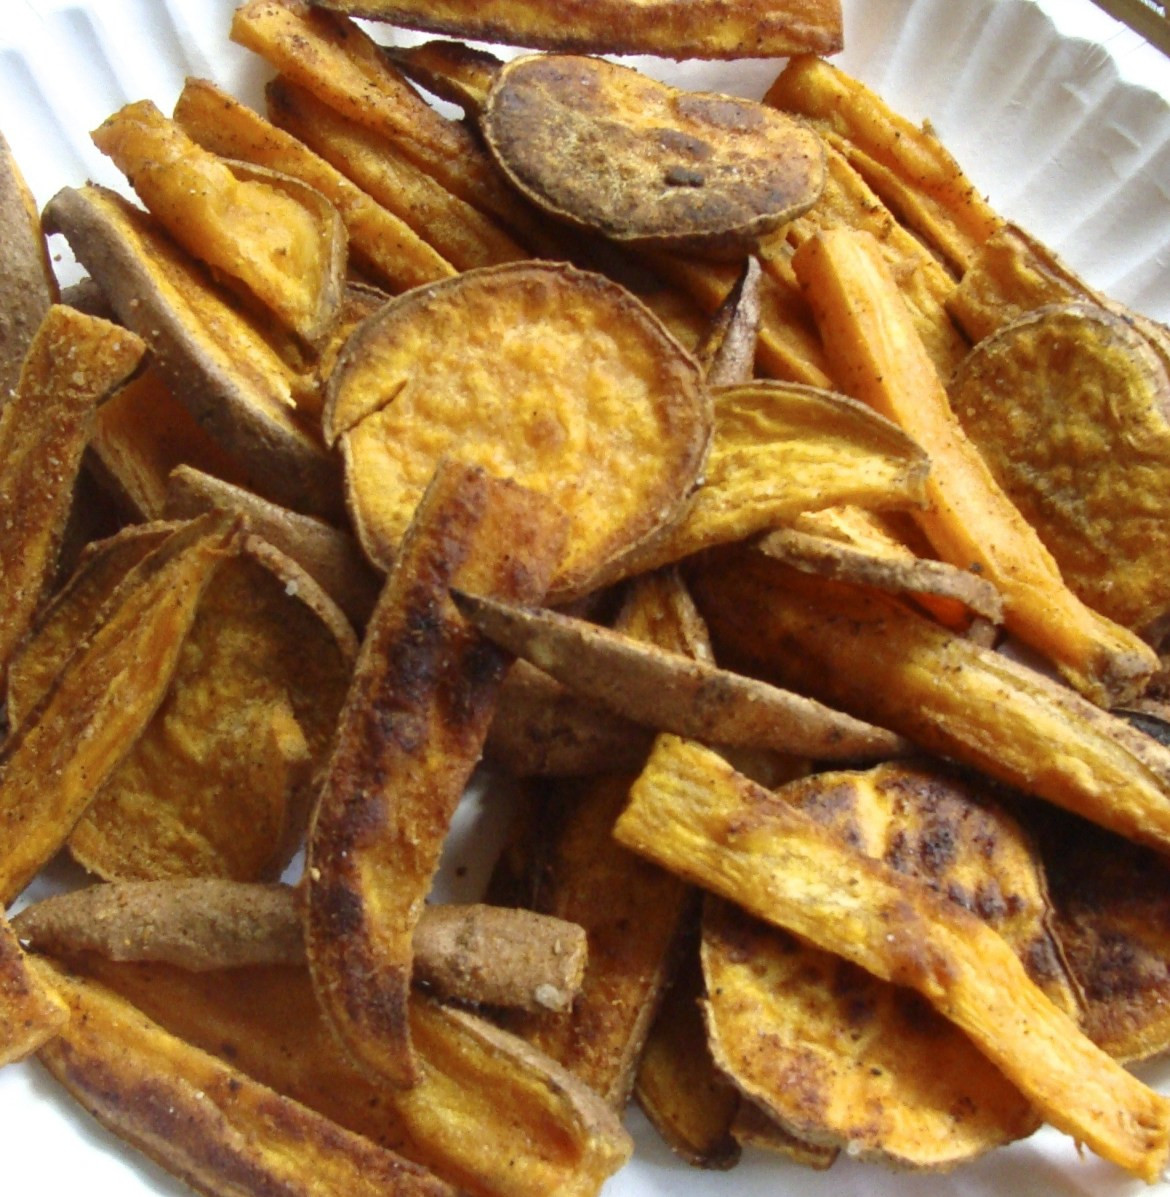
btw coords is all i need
(217, 362)
(881, 359)
(382, 242)
(410, 733)
(691, 812)
(107, 691)
(489, 1113)
(27, 284)
(662, 27)
(205, 1121)
(475, 953)
(666, 689)
(867, 653)
(379, 166)
(727, 351)
(74, 361)
(452, 71)
(910, 169)
(31, 1011)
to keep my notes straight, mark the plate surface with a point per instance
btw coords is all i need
(1059, 124)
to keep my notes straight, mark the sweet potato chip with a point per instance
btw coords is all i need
(219, 783)
(1070, 408)
(204, 1120)
(277, 239)
(410, 733)
(663, 27)
(106, 692)
(605, 148)
(540, 372)
(218, 362)
(73, 363)
(870, 334)
(691, 812)
(878, 1072)
(27, 285)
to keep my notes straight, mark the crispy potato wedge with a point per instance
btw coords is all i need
(220, 781)
(580, 394)
(905, 164)
(31, 1011)
(663, 27)
(384, 245)
(606, 148)
(1112, 903)
(464, 236)
(690, 1102)
(779, 450)
(27, 284)
(211, 356)
(1070, 408)
(669, 691)
(971, 522)
(52, 766)
(329, 555)
(691, 812)
(141, 434)
(867, 653)
(274, 237)
(489, 1113)
(878, 1072)
(203, 1120)
(473, 953)
(73, 363)
(410, 733)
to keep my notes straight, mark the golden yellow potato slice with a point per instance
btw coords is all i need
(551, 376)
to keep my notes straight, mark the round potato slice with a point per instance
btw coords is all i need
(551, 376)
(609, 149)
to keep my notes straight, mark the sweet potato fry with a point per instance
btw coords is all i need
(379, 241)
(277, 240)
(329, 555)
(580, 394)
(1070, 408)
(473, 953)
(779, 450)
(204, 1120)
(689, 811)
(871, 655)
(971, 522)
(106, 692)
(27, 284)
(73, 363)
(670, 692)
(668, 169)
(464, 236)
(905, 164)
(727, 352)
(217, 362)
(410, 733)
(489, 1113)
(31, 1011)
(663, 27)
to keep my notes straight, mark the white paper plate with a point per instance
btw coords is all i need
(1056, 129)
